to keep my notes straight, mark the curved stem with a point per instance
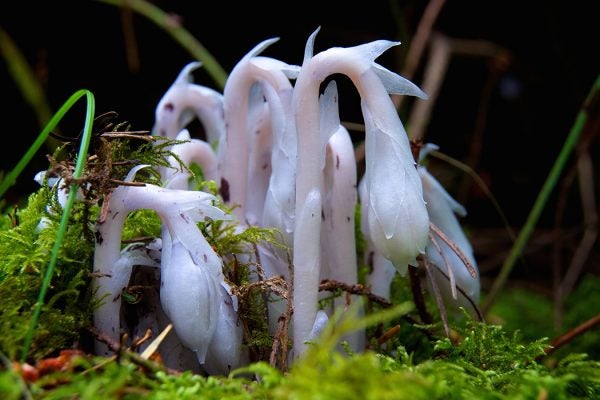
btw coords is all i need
(233, 154)
(401, 232)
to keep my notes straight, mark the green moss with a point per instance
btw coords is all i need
(25, 252)
(535, 316)
(141, 224)
(488, 363)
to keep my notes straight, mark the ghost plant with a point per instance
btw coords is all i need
(192, 282)
(281, 159)
(272, 77)
(338, 241)
(183, 102)
(257, 151)
(398, 220)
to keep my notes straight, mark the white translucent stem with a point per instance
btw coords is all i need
(306, 269)
(338, 235)
(372, 83)
(234, 150)
(259, 163)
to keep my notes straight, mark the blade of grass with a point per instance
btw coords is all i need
(179, 33)
(81, 159)
(543, 196)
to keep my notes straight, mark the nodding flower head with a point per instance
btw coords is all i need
(397, 215)
(179, 211)
(398, 220)
(185, 101)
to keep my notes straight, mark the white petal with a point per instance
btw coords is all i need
(398, 219)
(190, 297)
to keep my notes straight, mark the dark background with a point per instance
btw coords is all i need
(533, 100)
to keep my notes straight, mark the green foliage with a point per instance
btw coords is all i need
(25, 246)
(578, 310)
(535, 316)
(488, 347)
(227, 239)
(486, 364)
(140, 224)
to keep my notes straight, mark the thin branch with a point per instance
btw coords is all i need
(417, 292)
(584, 170)
(476, 309)
(440, 52)
(119, 350)
(142, 135)
(419, 42)
(358, 289)
(572, 334)
(436, 294)
(446, 264)
(455, 248)
(586, 185)
(131, 46)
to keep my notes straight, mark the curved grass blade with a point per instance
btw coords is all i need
(81, 158)
(12, 176)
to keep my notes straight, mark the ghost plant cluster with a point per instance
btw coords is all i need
(282, 160)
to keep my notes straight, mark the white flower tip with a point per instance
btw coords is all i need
(131, 175)
(39, 177)
(185, 76)
(402, 269)
(259, 48)
(291, 71)
(376, 48)
(310, 45)
(426, 149)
